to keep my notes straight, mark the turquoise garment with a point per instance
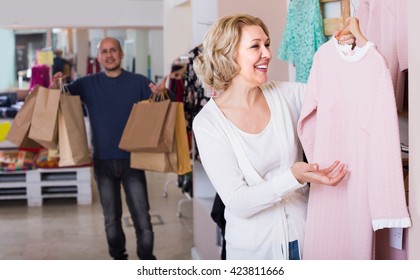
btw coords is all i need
(303, 35)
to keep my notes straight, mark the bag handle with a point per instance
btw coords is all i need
(63, 88)
(156, 97)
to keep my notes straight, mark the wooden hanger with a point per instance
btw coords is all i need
(351, 25)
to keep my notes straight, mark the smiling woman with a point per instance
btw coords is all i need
(248, 146)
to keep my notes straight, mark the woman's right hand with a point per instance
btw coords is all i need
(311, 173)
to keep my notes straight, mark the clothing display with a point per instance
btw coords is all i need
(303, 35)
(177, 87)
(93, 65)
(384, 22)
(194, 97)
(40, 75)
(256, 186)
(349, 114)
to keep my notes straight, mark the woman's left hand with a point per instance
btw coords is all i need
(311, 173)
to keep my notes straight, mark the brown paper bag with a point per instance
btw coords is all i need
(150, 127)
(72, 136)
(18, 133)
(155, 161)
(181, 139)
(44, 118)
(178, 160)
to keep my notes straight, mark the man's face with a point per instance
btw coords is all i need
(110, 55)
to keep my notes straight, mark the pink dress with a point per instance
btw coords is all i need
(349, 114)
(385, 23)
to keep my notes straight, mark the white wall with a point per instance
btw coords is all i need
(141, 44)
(156, 52)
(81, 13)
(204, 14)
(7, 77)
(177, 31)
(82, 50)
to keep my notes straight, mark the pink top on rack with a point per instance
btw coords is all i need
(385, 23)
(349, 114)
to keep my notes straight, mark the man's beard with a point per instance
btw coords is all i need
(113, 68)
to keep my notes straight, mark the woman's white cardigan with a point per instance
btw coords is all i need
(260, 211)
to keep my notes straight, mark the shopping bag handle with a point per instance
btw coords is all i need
(63, 88)
(155, 97)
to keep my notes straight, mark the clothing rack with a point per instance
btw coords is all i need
(183, 83)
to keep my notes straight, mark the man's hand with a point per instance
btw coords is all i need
(160, 88)
(57, 80)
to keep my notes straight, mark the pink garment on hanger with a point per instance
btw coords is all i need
(349, 114)
(40, 75)
(385, 23)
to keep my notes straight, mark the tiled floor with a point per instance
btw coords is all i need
(63, 230)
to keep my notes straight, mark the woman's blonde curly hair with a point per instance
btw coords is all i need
(216, 66)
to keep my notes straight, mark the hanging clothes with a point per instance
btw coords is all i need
(177, 87)
(385, 23)
(349, 114)
(93, 66)
(303, 35)
(40, 75)
(176, 83)
(194, 93)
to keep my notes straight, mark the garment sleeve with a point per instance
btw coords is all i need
(386, 192)
(221, 165)
(306, 128)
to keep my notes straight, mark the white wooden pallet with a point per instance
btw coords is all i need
(35, 185)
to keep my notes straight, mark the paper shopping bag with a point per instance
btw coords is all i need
(178, 160)
(150, 127)
(72, 137)
(44, 118)
(18, 133)
(155, 161)
(181, 140)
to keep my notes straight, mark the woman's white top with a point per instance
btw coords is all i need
(265, 204)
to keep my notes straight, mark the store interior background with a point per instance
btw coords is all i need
(157, 32)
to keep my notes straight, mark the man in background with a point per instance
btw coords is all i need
(109, 97)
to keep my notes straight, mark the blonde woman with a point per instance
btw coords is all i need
(248, 145)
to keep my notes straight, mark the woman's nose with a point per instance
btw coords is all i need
(266, 53)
